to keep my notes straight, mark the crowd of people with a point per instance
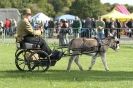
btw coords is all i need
(63, 28)
(8, 27)
(89, 27)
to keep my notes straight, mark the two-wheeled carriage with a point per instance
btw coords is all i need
(28, 57)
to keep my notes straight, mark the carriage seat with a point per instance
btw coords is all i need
(26, 45)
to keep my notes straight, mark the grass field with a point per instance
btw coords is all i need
(119, 76)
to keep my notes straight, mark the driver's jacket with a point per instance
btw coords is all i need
(24, 28)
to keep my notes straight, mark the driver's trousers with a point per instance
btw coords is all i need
(40, 41)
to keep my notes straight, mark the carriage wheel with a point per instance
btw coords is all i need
(21, 60)
(38, 61)
(16, 52)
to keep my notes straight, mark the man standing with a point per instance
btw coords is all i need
(63, 33)
(88, 27)
(76, 27)
(106, 30)
(100, 25)
(51, 28)
(1, 27)
(118, 26)
(7, 27)
(93, 23)
(129, 25)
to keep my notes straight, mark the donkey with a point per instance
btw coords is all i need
(92, 47)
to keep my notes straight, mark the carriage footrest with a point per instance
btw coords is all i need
(53, 63)
(41, 62)
(44, 62)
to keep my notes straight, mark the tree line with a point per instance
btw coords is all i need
(53, 8)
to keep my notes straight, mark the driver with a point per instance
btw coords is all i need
(25, 33)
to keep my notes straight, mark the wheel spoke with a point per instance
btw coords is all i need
(31, 60)
(21, 63)
(35, 57)
(24, 67)
(38, 67)
(19, 59)
(42, 68)
(23, 54)
(32, 64)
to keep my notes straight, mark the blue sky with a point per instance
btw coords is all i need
(129, 2)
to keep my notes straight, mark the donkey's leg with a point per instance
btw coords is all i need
(103, 57)
(76, 60)
(70, 62)
(93, 60)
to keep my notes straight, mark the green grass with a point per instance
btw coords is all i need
(119, 76)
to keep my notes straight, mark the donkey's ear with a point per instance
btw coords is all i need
(110, 34)
(114, 35)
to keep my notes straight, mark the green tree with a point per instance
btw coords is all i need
(61, 6)
(46, 7)
(16, 3)
(87, 8)
(5, 4)
(130, 8)
(108, 7)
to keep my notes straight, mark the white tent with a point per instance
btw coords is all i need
(40, 17)
(67, 17)
(10, 13)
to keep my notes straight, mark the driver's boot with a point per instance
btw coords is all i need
(56, 55)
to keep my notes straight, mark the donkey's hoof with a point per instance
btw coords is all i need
(89, 69)
(81, 69)
(68, 70)
(107, 70)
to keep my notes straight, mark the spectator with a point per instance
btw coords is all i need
(63, 33)
(112, 26)
(129, 25)
(50, 28)
(83, 30)
(57, 26)
(7, 26)
(118, 26)
(106, 30)
(13, 26)
(93, 23)
(100, 25)
(76, 26)
(1, 27)
(46, 29)
(88, 26)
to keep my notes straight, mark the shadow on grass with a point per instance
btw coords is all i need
(74, 75)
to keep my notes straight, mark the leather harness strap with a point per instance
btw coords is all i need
(99, 44)
(83, 48)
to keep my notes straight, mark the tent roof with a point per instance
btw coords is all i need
(67, 17)
(40, 17)
(116, 15)
(10, 13)
(122, 9)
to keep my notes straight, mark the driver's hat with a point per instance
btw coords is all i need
(26, 11)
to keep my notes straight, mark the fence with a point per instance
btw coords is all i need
(51, 33)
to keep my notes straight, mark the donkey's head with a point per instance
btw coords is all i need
(114, 42)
